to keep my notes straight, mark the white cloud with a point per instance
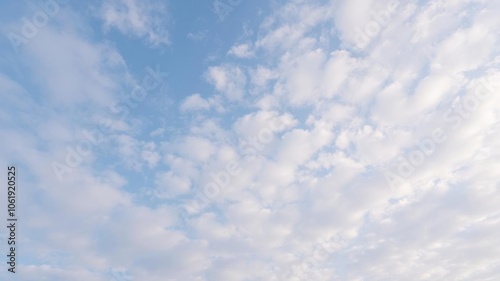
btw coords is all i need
(150, 155)
(197, 148)
(229, 80)
(261, 76)
(241, 51)
(349, 115)
(141, 19)
(89, 70)
(195, 102)
(170, 185)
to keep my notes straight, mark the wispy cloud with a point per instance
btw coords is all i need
(149, 20)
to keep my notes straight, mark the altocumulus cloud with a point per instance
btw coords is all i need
(385, 165)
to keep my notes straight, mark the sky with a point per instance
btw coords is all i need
(242, 140)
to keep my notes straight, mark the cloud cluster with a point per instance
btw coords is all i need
(309, 200)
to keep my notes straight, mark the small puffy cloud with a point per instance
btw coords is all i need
(252, 124)
(149, 154)
(195, 102)
(227, 79)
(141, 19)
(261, 76)
(168, 185)
(191, 148)
(241, 51)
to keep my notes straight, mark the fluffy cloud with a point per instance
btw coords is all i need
(241, 51)
(196, 102)
(229, 80)
(356, 161)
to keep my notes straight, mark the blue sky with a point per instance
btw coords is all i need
(273, 140)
